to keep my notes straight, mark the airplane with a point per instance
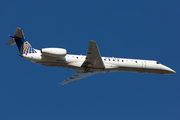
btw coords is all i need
(84, 65)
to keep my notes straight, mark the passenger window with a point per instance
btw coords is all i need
(104, 59)
(109, 59)
(122, 60)
(136, 61)
(77, 57)
(157, 62)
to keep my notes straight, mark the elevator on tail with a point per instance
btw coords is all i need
(84, 65)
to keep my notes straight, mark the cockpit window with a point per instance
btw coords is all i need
(158, 63)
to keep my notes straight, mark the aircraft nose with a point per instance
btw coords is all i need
(167, 70)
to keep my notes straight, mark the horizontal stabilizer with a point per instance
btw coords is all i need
(19, 33)
(11, 42)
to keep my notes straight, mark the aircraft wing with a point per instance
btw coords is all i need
(77, 76)
(93, 57)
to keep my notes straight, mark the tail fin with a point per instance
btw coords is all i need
(18, 34)
(23, 45)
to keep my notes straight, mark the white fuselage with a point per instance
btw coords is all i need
(111, 64)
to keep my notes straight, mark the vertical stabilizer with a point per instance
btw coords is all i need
(23, 45)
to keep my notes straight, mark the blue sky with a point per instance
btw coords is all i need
(129, 29)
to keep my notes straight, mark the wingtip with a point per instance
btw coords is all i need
(92, 41)
(60, 84)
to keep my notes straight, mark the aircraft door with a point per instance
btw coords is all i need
(143, 64)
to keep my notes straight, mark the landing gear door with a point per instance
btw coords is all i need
(143, 64)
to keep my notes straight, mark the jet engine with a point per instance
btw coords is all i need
(54, 52)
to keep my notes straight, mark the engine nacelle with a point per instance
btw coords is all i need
(54, 52)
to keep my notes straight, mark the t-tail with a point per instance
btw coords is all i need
(23, 45)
